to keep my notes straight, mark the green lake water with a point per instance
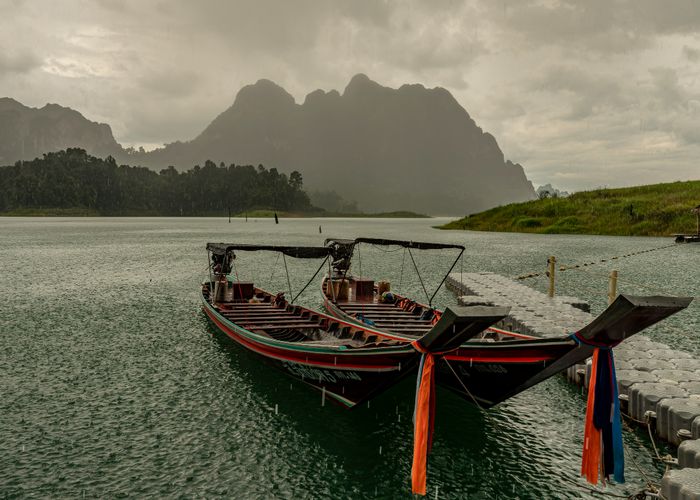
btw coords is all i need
(112, 382)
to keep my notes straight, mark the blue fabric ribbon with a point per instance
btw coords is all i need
(606, 411)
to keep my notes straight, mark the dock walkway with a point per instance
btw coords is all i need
(659, 386)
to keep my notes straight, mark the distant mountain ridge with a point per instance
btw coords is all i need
(27, 133)
(409, 148)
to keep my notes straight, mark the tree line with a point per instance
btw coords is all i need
(75, 179)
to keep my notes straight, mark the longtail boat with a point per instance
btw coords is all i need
(348, 362)
(497, 364)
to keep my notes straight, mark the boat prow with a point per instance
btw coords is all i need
(459, 324)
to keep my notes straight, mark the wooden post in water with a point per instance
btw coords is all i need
(550, 265)
(612, 287)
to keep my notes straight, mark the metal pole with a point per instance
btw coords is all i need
(211, 281)
(551, 265)
(430, 302)
(289, 283)
(612, 287)
(330, 281)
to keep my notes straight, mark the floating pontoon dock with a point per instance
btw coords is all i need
(659, 386)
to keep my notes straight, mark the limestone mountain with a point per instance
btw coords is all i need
(27, 133)
(409, 148)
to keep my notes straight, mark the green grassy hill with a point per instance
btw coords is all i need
(653, 210)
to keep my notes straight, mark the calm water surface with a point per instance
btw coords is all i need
(112, 383)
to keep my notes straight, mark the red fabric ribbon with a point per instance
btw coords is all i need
(591, 460)
(424, 423)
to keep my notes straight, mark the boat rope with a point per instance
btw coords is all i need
(330, 280)
(601, 261)
(410, 254)
(463, 386)
(461, 271)
(238, 281)
(359, 259)
(626, 281)
(430, 301)
(650, 484)
(666, 459)
(277, 259)
(309, 282)
(603, 493)
(211, 281)
(289, 282)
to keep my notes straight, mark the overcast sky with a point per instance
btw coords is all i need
(582, 94)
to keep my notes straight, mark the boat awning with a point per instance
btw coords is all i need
(420, 245)
(298, 252)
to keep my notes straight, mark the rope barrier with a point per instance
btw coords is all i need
(587, 264)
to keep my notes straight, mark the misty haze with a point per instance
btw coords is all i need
(349, 249)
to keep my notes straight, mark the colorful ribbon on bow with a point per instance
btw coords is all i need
(423, 419)
(603, 452)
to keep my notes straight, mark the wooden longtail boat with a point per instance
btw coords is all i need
(349, 363)
(497, 364)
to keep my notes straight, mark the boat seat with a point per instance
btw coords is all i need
(288, 335)
(277, 326)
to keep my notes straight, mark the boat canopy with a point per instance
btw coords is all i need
(420, 245)
(299, 252)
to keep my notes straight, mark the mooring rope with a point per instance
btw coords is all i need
(462, 384)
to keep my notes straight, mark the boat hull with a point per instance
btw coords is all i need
(486, 374)
(347, 377)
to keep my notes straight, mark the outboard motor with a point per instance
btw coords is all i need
(341, 255)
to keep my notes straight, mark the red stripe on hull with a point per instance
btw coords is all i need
(493, 359)
(307, 359)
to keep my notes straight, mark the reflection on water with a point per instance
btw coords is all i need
(113, 381)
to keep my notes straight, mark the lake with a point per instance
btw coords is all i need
(114, 384)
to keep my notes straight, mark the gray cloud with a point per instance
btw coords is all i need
(18, 61)
(692, 54)
(582, 93)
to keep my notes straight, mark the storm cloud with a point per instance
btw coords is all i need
(583, 94)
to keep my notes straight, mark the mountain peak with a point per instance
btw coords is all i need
(10, 103)
(29, 132)
(263, 91)
(360, 83)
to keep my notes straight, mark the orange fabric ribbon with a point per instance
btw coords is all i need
(590, 463)
(424, 421)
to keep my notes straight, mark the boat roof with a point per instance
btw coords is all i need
(420, 245)
(299, 252)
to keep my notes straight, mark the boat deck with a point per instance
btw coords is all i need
(293, 323)
(409, 318)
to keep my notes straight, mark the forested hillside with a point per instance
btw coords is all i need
(73, 179)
